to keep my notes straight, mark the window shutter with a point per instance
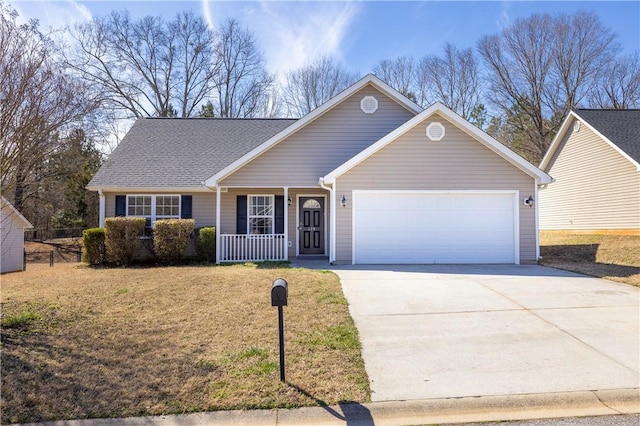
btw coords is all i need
(121, 205)
(241, 214)
(185, 207)
(279, 214)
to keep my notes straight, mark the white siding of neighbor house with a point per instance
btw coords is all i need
(413, 162)
(228, 211)
(12, 245)
(322, 145)
(203, 206)
(594, 188)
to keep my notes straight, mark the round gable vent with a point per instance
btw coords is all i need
(435, 131)
(369, 104)
(576, 126)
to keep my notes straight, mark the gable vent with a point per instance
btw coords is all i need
(369, 104)
(435, 131)
(576, 126)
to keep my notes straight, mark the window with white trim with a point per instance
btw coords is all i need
(167, 207)
(261, 214)
(154, 207)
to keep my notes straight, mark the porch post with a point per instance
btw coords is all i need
(101, 209)
(286, 223)
(217, 224)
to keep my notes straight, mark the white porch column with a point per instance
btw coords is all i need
(217, 224)
(102, 209)
(286, 223)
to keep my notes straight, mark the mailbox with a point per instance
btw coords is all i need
(279, 293)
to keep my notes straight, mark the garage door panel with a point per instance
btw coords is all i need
(434, 228)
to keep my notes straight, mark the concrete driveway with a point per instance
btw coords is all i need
(457, 331)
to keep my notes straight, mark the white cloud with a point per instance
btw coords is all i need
(52, 14)
(290, 33)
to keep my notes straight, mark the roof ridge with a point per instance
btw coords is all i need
(220, 118)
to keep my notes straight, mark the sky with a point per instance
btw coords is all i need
(357, 33)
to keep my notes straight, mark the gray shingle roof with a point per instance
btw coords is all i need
(181, 152)
(620, 126)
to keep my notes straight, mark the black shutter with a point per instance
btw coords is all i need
(279, 214)
(241, 214)
(121, 205)
(185, 207)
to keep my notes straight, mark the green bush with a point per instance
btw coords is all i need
(94, 246)
(206, 246)
(122, 235)
(170, 238)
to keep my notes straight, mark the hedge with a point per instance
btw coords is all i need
(122, 236)
(170, 238)
(206, 246)
(93, 240)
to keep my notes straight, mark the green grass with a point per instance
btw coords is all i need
(20, 319)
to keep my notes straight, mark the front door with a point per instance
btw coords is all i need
(311, 225)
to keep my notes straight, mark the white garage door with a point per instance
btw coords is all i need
(434, 227)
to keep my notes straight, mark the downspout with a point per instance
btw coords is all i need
(536, 203)
(101, 209)
(332, 246)
(217, 224)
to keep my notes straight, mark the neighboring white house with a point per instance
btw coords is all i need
(595, 164)
(12, 226)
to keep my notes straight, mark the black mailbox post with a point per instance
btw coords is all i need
(279, 294)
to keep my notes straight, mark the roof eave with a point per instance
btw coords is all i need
(150, 189)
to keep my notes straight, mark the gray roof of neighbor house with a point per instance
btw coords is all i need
(181, 152)
(620, 126)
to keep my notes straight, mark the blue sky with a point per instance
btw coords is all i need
(358, 33)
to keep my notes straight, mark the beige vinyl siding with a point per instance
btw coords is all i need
(203, 206)
(12, 246)
(413, 162)
(228, 211)
(594, 186)
(322, 145)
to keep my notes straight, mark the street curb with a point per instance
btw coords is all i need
(427, 411)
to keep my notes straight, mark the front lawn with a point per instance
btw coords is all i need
(614, 257)
(79, 342)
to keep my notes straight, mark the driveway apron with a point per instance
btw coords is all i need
(442, 331)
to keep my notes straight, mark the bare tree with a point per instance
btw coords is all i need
(399, 73)
(452, 79)
(540, 67)
(147, 67)
(242, 83)
(39, 102)
(619, 86)
(312, 85)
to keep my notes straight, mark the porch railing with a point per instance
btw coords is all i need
(252, 247)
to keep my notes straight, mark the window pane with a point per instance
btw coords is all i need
(261, 214)
(167, 206)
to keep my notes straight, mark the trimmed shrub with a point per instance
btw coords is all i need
(206, 246)
(122, 235)
(170, 238)
(94, 247)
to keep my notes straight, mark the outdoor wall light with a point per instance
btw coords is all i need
(343, 201)
(289, 200)
(528, 201)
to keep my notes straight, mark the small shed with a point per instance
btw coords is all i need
(12, 226)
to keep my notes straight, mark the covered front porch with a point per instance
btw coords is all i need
(271, 224)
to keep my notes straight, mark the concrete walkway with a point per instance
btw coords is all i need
(463, 331)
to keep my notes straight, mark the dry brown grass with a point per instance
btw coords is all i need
(614, 257)
(84, 343)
